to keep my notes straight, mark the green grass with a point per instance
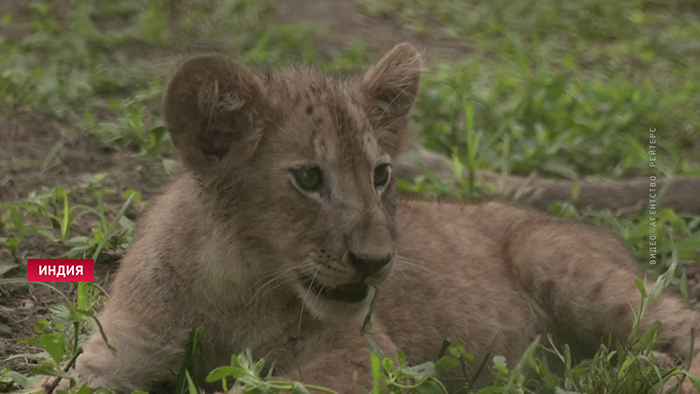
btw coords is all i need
(566, 89)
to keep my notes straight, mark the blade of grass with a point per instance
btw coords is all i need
(15, 281)
(49, 157)
(84, 286)
(65, 223)
(473, 140)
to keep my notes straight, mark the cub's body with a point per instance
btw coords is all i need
(285, 219)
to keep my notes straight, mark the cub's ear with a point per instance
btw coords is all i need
(390, 88)
(211, 108)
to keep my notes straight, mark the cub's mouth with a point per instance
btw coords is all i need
(351, 293)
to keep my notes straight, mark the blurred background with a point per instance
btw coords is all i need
(560, 89)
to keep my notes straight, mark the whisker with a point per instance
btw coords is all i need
(303, 264)
(269, 290)
(307, 295)
(323, 286)
(273, 273)
(278, 274)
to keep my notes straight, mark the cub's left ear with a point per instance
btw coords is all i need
(390, 88)
(214, 108)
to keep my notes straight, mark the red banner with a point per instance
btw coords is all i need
(61, 270)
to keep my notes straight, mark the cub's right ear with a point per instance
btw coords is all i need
(211, 108)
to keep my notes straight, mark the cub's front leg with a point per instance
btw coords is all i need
(585, 280)
(145, 359)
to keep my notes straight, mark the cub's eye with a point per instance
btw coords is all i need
(308, 178)
(381, 175)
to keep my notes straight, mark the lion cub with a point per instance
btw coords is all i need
(285, 218)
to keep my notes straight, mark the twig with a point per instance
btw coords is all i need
(50, 388)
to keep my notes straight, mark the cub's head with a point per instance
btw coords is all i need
(298, 167)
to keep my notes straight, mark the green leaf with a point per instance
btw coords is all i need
(562, 391)
(299, 388)
(561, 169)
(190, 384)
(15, 377)
(49, 157)
(425, 370)
(112, 226)
(12, 244)
(641, 288)
(221, 373)
(446, 363)
(694, 380)
(17, 222)
(243, 361)
(259, 366)
(683, 286)
(626, 364)
(575, 191)
(85, 389)
(65, 223)
(6, 266)
(499, 360)
(665, 279)
(170, 166)
(688, 246)
(375, 348)
(402, 357)
(40, 326)
(376, 372)
(43, 356)
(271, 370)
(54, 344)
(429, 387)
(45, 369)
(388, 364)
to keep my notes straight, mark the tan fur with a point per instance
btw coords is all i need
(225, 242)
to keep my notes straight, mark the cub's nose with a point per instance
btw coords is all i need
(368, 265)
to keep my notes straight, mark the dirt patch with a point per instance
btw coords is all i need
(26, 163)
(20, 308)
(347, 23)
(20, 10)
(22, 305)
(19, 26)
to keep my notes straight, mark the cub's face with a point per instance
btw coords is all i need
(300, 165)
